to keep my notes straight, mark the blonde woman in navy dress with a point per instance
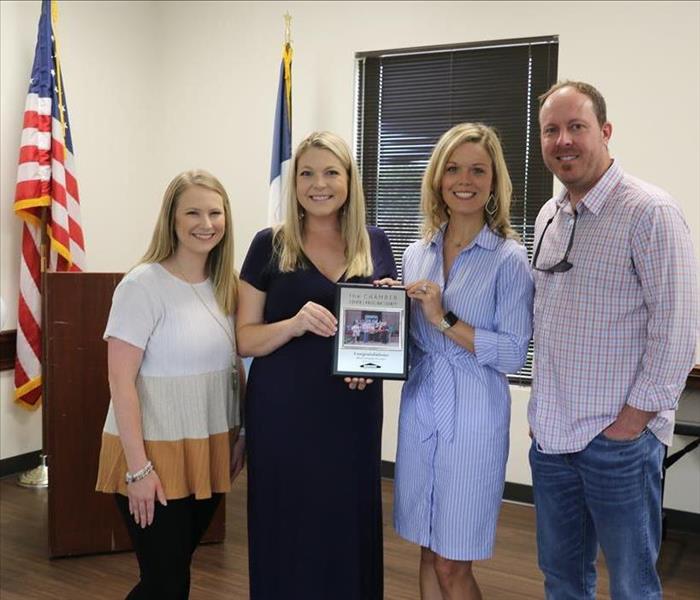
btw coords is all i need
(471, 300)
(313, 439)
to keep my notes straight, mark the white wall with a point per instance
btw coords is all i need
(157, 87)
(107, 50)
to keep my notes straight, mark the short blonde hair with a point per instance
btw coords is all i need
(220, 260)
(433, 207)
(288, 237)
(599, 108)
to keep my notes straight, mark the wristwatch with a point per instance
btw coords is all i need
(448, 320)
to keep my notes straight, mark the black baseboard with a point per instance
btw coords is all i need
(677, 520)
(680, 520)
(518, 492)
(19, 464)
(387, 469)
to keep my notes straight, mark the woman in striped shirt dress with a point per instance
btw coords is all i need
(471, 301)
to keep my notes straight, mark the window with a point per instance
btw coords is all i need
(406, 99)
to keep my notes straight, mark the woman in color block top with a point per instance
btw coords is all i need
(171, 444)
(471, 302)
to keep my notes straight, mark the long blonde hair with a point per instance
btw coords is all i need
(220, 260)
(288, 238)
(433, 207)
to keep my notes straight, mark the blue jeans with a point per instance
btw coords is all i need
(609, 493)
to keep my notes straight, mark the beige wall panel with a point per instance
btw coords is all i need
(158, 87)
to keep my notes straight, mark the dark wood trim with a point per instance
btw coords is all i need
(681, 520)
(19, 464)
(518, 492)
(543, 39)
(686, 428)
(8, 349)
(678, 520)
(693, 382)
(387, 469)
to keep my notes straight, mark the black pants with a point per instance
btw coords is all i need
(164, 549)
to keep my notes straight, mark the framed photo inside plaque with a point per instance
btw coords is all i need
(372, 338)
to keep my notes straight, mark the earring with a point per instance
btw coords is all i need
(302, 214)
(491, 207)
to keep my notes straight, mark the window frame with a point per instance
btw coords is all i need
(369, 145)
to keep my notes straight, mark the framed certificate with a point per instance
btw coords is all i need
(372, 338)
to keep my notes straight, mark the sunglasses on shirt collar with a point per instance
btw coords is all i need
(563, 265)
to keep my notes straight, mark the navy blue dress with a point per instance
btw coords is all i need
(314, 449)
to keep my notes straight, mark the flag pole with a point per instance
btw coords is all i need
(287, 28)
(282, 132)
(288, 62)
(38, 477)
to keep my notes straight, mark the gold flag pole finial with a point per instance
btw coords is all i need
(287, 28)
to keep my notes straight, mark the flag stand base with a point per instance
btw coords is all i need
(37, 477)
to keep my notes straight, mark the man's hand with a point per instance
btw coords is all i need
(629, 425)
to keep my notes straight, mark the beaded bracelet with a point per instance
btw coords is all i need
(140, 474)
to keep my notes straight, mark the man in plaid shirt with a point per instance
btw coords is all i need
(615, 326)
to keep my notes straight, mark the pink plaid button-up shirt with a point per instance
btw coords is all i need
(620, 327)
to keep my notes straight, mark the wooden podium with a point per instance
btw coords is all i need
(76, 398)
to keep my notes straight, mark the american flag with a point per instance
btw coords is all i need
(46, 196)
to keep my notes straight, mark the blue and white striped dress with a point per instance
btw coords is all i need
(455, 406)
